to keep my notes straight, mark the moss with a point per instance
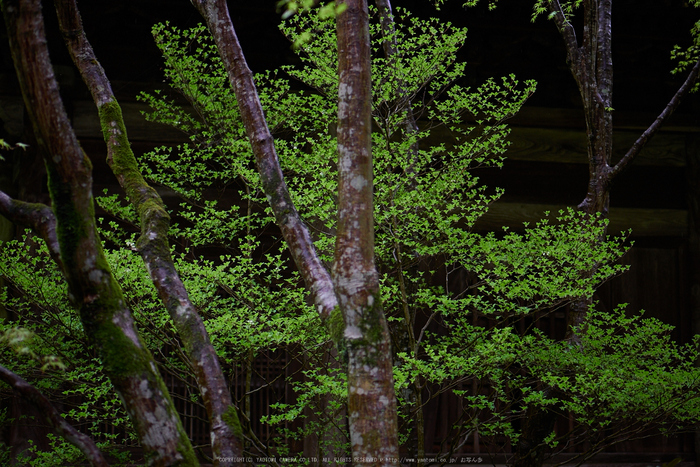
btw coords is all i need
(374, 330)
(124, 165)
(336, 328)
(185, 448)
(374, 321)
(230, 417)
(112, 123)
(120, 356)
(374, 333)
(66, 216)
(123, 162)
(336, 325)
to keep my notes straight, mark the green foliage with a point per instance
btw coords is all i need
(686, 58)
(426, 202)
(568, 8)
(455, 299)
(5, 146)
(60, 454)
(54, 354)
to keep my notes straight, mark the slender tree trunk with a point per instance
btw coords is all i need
(106, 319)
(354, 290)
(591, 65)
(371, 398)
(410, 128)
(316, 277)
(153, 242)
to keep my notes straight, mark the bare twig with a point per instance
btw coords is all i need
(660, 120)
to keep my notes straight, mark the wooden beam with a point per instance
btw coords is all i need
(87, 124)
(643, 222)
(551, 136)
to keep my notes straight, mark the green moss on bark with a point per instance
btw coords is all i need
(336, 328)
(123, 162)
(69, 224)
(374, 322)
(336, 325)
(112, 123)
(230, 417)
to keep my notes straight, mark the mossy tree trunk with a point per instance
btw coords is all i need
(153, 242)
(106, 319)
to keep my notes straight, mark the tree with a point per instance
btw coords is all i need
(589, 57)
(106, 319)
(425, 202)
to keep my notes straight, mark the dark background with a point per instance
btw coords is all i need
(547, 165)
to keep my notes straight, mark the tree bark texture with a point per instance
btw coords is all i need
(106, 319)
(371, 398)
(316, 277)
(153, 242)
(53, 418)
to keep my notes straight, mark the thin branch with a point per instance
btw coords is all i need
(403, 99)
(60, 426)
(153, 242)
(660, 120)
(566, 29)
(39, 217)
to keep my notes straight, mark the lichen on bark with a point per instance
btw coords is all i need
(106, 319)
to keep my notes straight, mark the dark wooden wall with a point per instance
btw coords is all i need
(546, 167)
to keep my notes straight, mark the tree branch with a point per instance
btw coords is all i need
(660, 120)
(153, 241)
(316, 277)
(566, 29)
(60, 426)
(390, 46)
(106, 319)
(39, 217)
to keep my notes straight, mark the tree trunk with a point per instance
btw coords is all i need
(354, 290)
(410, 127)
(106, 319)
(295, 233)
(591, 66)
(153, 242)
(371, 398)
(536, 426)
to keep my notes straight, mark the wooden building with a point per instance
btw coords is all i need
(658, 197)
